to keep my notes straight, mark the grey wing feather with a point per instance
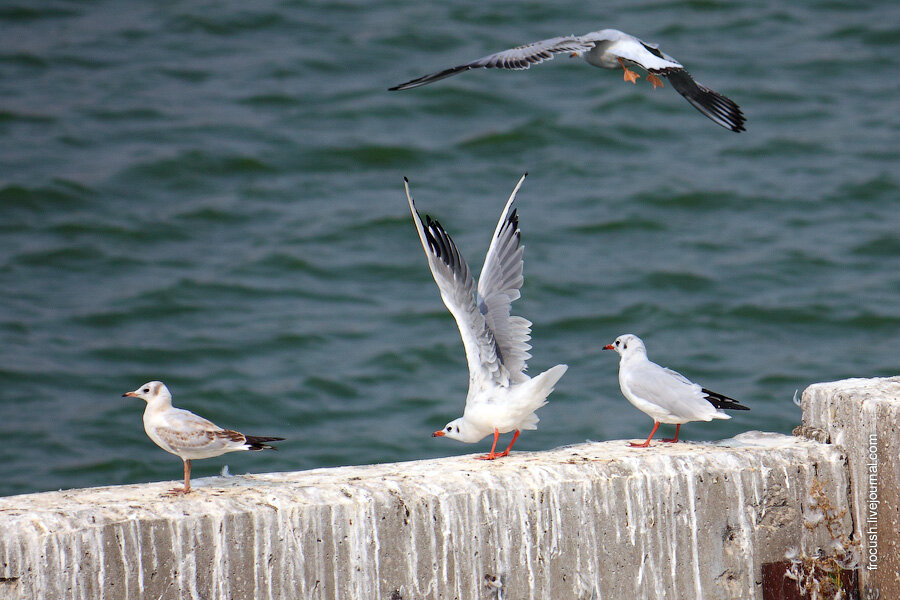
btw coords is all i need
(457, 287)
(191, 436)
(669, 390)
(498, 287)
(185, 420)
(675, 375)
(518, 58)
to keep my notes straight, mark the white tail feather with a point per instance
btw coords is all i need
(538, 388)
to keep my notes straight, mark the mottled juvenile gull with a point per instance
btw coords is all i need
(187, 435)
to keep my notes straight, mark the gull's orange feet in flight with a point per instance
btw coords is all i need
(656, 81)
(629, 74)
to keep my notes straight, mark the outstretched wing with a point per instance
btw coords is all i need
(720, 109)
(518, 58)
(451, 273)
(498, 286)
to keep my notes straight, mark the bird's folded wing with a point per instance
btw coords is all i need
(518, 58)
(451, 273)
(185, 430)
(498, 286)
(182, 439)
(721, 401)
(667, 389)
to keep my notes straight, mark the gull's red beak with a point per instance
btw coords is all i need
(129, 395)
(609, 347)
(438, 433)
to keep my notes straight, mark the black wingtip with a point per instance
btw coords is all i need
(405, 180)
(720, 401)
(257, 442)
(720, 109)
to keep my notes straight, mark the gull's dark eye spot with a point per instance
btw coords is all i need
(617, 342)
(146, 390)
(449, 428)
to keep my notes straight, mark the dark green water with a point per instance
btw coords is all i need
(210, 193)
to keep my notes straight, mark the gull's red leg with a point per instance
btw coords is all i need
(647, 443)
(675, 439)
(492, 454)
(187, 481)
(508, 448)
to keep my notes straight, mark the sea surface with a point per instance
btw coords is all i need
(211, 194)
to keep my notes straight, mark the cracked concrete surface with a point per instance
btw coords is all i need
(594, 520)
(846, 413)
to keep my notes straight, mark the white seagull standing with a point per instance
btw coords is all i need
(501, 398)
(608, 49)
(664, 395)
(187, 435)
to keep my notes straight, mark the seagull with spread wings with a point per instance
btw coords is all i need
(608, 49)
(501, 398)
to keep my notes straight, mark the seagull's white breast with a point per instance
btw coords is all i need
(600, 56)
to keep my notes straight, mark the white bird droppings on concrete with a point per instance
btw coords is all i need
(621, 522)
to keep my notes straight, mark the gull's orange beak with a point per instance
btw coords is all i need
(129, 395)
(608, 347)
(438, 433)
(573, 55)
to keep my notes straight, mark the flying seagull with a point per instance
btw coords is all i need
(608, 49)
(664, 395)
(187, 435)
(501, 398)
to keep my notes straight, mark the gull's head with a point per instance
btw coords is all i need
(150, 391)
(458, 429)
(627, 345)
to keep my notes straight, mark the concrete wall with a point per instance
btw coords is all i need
(862, 417)
(587, 521)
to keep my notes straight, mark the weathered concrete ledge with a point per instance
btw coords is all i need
(862, 417)
(596, 520)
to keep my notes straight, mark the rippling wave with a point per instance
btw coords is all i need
(215, 199)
